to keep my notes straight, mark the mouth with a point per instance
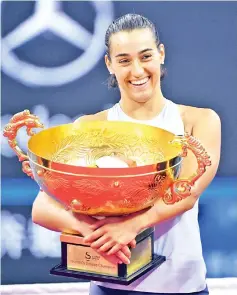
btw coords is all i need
(140, 83)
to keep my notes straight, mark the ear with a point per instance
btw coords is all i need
(108, 64)
(162, 53)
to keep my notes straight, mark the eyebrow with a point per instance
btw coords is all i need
(140, 52)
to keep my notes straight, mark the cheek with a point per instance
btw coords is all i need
(121, 74)
(154, 69)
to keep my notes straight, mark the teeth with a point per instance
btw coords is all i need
(139, 82)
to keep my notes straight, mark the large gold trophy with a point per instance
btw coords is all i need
(63, 160)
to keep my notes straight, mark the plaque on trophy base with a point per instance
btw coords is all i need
(79, 260)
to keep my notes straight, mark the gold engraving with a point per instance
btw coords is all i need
(135, 194)
(87, 260)
(93, 144)
(53, 181)
(95, 186)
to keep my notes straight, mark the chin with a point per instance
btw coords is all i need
(142, 98)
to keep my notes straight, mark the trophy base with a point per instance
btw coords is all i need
(61, 270)
(80, 261)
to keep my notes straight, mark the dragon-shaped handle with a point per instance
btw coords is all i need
(181, 188)
(22, 119)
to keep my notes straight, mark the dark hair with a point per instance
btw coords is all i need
(129, 22)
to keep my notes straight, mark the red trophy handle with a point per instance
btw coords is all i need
(22, 119)
(181, 188)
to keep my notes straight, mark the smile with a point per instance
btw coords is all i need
(141, 82)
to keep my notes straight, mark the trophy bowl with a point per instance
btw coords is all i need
(106, 167)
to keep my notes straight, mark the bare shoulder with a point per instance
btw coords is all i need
(194, 117)
(100, 116)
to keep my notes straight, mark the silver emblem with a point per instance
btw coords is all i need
(49, 16)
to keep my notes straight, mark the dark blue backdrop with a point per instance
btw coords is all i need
(56, 69)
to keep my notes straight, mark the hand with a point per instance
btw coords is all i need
(120, 257)
(110, 236)
(85, 229)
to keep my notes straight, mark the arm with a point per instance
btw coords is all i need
(50, 214)
(207, 129)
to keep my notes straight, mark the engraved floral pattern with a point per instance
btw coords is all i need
(95, 143)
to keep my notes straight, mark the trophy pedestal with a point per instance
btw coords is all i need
(79, 260)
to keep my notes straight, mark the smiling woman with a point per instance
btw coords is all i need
(130, 24)
(134, 59)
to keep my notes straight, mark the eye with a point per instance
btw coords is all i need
(123, 61)
(146, 56)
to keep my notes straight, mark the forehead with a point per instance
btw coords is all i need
(131, 42)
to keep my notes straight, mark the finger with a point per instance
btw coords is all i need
(98, 224)
(100, 242)
(126, 251)
(114, 249)
(93, 236)
(122, 257)
(133, 244)
(106, 246)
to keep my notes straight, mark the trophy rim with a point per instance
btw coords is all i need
(139, 130)
(109, 171)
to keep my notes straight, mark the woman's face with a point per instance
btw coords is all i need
(135, 61)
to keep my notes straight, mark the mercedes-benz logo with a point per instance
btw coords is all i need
(48, 15)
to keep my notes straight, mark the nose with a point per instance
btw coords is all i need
(137, 69)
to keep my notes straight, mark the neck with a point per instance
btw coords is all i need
(143, 110)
